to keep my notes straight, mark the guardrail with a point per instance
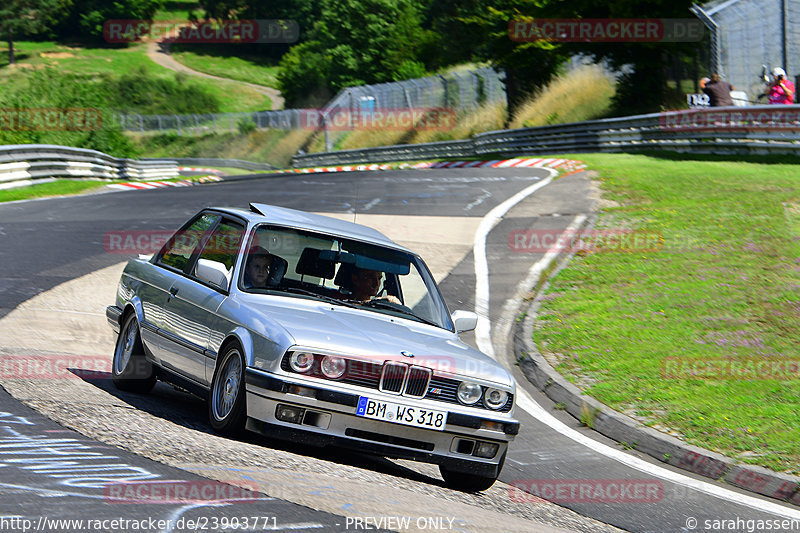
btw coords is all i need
(756, 129)
(26, 163)
(216, 162)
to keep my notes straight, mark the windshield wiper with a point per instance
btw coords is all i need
(386, 304)
(306, 292)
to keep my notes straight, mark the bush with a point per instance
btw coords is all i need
(54, 89)
(245, 125)
(140, 92)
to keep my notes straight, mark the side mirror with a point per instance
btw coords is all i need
(464, 320)
(212, 272)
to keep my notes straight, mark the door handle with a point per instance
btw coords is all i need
(172, 292)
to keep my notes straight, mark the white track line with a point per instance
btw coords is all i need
(483, 330)
(525, 402)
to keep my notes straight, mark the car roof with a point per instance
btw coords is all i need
(295, 218)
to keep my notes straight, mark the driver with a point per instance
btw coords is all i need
(365, 285)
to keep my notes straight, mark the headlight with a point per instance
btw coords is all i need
(469, 393)
(333, 367)
(495, 399)
(301, 361)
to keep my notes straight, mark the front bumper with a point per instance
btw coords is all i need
(112, 315)
(329, 419)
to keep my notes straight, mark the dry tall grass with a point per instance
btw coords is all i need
(582, 94)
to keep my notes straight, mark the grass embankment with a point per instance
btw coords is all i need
(722, 294)
(226, 62)
(59, 187)
(581, 94)
(275, 147)
(117, 62)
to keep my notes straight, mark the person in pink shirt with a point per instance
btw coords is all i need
(781, 90)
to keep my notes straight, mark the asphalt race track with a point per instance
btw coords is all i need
(46, 243)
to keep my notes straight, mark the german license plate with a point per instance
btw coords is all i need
(401, 414)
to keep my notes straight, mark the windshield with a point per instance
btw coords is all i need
(343, 272)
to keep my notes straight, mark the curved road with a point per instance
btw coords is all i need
(158, 52)
(36, 257)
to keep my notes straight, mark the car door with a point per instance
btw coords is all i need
(168, 266)
(191, 307)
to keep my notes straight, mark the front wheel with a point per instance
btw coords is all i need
(226, 402)
(130, 369)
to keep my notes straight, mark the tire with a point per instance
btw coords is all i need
(469, 482)
(227, 409)
(130, 369)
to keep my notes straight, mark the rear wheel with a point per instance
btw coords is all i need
(130, 369)
(227, 411)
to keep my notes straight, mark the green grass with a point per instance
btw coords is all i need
(62, 187)
(178, 10)
(118, 61)
(266, 146)
(724, 284)
(218, 61)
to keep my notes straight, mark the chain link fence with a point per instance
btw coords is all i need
(457, 90)
(197, 124)
(748, 35)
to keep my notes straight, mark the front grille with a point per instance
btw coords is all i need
(392, 377)
(417, 383)
(363, 373)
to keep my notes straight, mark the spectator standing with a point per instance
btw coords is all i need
(781, 90)
(718, 91)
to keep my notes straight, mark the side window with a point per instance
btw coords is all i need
(224, 243)
(186, 241)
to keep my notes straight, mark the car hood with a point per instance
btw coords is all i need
(373, 335)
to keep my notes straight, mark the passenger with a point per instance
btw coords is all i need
(257, 270)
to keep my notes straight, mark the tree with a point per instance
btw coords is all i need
(353, 42)
(477, 30)
(643, 85)
(89, 17)
(24, 17)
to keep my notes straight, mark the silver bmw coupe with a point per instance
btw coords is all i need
(312, 329)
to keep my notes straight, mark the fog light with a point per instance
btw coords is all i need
(333, 367)
(486, 450)
(289, 413)
(301, 361)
